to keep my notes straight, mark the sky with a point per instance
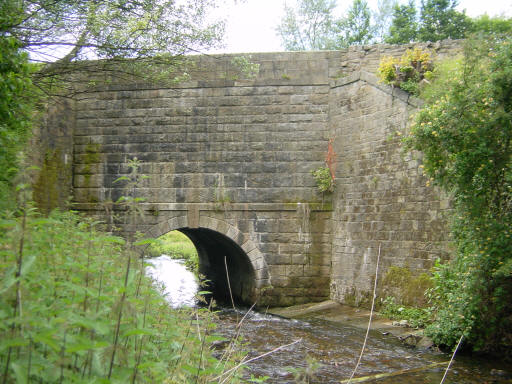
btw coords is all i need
(251, 23)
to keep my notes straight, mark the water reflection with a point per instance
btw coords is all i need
(180, 285)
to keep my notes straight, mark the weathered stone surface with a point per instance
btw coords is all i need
(235, 156)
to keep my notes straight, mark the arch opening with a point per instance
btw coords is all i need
(215, 250)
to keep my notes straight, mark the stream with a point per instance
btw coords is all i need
(326, 350)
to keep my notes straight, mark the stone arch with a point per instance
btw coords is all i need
(246, 260)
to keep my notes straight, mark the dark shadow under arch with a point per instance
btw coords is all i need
(215, 250)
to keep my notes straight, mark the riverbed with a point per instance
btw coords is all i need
(323, 342)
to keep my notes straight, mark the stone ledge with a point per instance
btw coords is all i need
(229, 207)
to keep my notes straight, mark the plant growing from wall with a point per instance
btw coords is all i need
(324, 180)
(325, 176)
(408, 72)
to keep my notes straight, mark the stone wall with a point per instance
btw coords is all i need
(51, 149)
(234, 155)
(381, 200)
(235, 152)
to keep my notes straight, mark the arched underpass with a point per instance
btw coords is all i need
(215, 250)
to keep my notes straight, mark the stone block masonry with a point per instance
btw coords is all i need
(233, 156)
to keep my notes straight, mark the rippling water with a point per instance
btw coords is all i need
(329, 349)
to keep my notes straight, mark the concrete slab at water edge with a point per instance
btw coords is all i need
(343, 314)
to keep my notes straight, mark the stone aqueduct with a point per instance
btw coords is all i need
(229, 162)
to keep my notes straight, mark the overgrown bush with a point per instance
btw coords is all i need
(407, 72)
(465, 134)
(16, 110)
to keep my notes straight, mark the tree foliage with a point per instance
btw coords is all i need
(15, 101)
(465, 133)
(382, 18)
(404, 25)
(492, 26)
(356, 28)
(59, 33)
(309, 26)
(440, 20)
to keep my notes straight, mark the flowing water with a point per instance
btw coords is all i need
(326, 351)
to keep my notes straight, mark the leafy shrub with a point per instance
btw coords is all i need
(16, 109)
(408, 71)
(465, 134)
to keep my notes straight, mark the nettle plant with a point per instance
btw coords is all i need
(77, 307)
(407, 72)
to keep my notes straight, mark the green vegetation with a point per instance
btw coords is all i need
(355, 28)
(324, 180)
(309, 26)
(177, 246)
(408, 72)
(404, 27)
(16, 106)
(440, 20)
(156, 32)
(405, 296)
(312, 24)
(416, 317)
(61, 308)
(246, 68)
(465, 132)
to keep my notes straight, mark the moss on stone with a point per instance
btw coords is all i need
(406, 288)
(47, 190)
(92, 156)
(314, 205)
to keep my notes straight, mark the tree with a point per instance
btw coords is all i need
(440, 20)
(382, 18)
(309, 27)
(496, 26)
(15, 101)
(59, 33)
(465, 135)
(356, 28)
(404, 26)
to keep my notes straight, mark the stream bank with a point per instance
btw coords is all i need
(334, 312)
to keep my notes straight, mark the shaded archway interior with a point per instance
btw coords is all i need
(215, 250)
